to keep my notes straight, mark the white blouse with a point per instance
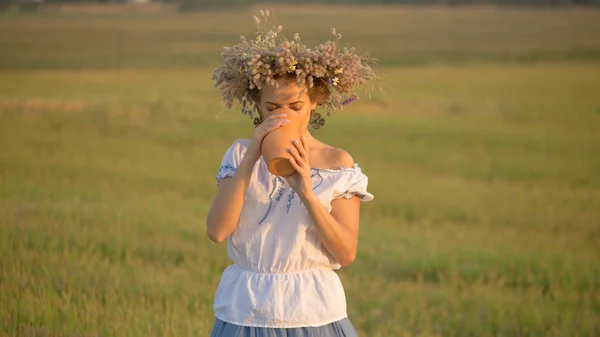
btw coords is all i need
(282, 276)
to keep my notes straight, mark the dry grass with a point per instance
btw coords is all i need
(487, 211)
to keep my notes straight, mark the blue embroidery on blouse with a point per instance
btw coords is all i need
(226, 167)
(224, 170)
(290, 198)
(270, 201)
(320, 182)
(280, 193)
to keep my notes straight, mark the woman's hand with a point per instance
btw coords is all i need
(300, 181)
(273, 122)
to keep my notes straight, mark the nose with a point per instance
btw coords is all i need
(283, 110)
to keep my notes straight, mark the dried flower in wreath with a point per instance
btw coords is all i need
(255, 63)
(258, 120)
(316, 121)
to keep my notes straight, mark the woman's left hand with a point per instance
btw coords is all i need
(300, 181)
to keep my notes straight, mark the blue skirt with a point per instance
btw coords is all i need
(341, 328)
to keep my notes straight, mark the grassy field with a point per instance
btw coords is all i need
(483, 155)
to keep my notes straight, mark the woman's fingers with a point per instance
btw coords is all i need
(272, 124)
(296, 156)
(295, 165)
(300, 161)
(267, 127)
(275, 123)
(304, 140)
(300, 148)
(279, 117)
(276, 114)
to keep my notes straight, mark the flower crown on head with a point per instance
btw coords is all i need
(253, 64)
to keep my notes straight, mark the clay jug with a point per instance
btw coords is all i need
(275, 144)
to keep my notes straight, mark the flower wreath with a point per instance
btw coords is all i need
(252, 64)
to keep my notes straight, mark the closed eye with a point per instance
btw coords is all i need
(296, 106)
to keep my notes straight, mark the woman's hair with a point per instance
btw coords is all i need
(330, 74)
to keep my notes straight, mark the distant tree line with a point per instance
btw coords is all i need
(196, 5)
(221, 3)
(208, 4)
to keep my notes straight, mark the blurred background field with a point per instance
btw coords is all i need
(483, 154)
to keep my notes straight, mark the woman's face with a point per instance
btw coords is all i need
(289, 99)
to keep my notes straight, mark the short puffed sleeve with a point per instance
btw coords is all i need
(232, 159)
(352, 182)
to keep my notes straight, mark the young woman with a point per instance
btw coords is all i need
(286, 235)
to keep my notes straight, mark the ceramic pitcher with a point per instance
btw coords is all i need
(275, 147)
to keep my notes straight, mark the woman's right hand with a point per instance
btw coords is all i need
(273, 122)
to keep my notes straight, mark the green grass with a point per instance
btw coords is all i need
(396, 36)
(486, 220)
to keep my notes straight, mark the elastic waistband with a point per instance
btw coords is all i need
(291, 272)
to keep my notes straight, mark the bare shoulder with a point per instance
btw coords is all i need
(334, 158)
(340, 158)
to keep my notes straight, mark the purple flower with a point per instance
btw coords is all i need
(348, 100)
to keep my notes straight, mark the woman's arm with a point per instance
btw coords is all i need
(338, 230)
(224, 214)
